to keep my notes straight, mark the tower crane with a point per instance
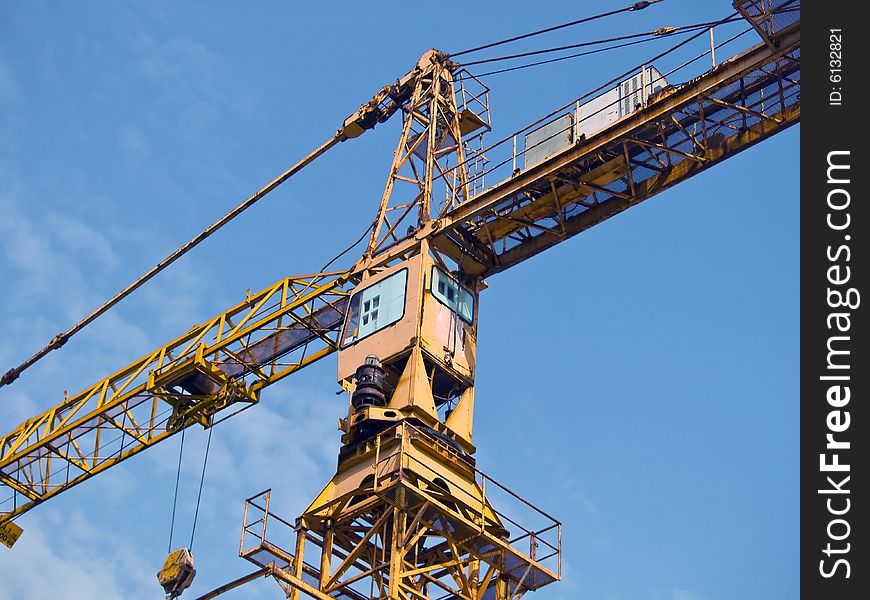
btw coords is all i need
(408, 512)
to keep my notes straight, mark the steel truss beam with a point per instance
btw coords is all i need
(407, 537)
(216, 365)
(736, 105)
(229, 359)
(440, 110)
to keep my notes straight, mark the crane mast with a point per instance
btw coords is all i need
(408, 512)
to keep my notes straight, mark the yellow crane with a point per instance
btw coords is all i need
(408, 511)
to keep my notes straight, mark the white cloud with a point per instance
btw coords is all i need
(59, 268)
(10, 90)
(163, 59)
(52, 259)
(582, 499)
(132, 142)
(571, 585)
(106, 538)
(193, 78)
(83, 571)
(684, 594)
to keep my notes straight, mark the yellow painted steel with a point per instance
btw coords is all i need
(409, 517)
(177, 572)
(228, 360)
(716, 115)
(223, 362)
(9, 533)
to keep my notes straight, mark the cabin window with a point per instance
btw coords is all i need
(454, 296)
(377, 306)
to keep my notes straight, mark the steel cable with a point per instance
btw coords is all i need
(199, 494)
(175, 497)
(587, 52)
(634, 7)
(655, 32)
(60, 339)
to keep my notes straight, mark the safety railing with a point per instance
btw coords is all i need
(588, 114)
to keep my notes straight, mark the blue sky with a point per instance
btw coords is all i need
(639, 381)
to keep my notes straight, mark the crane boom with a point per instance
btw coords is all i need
(380, 108)
(216, 365)
(228, 360)
(730, 108)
